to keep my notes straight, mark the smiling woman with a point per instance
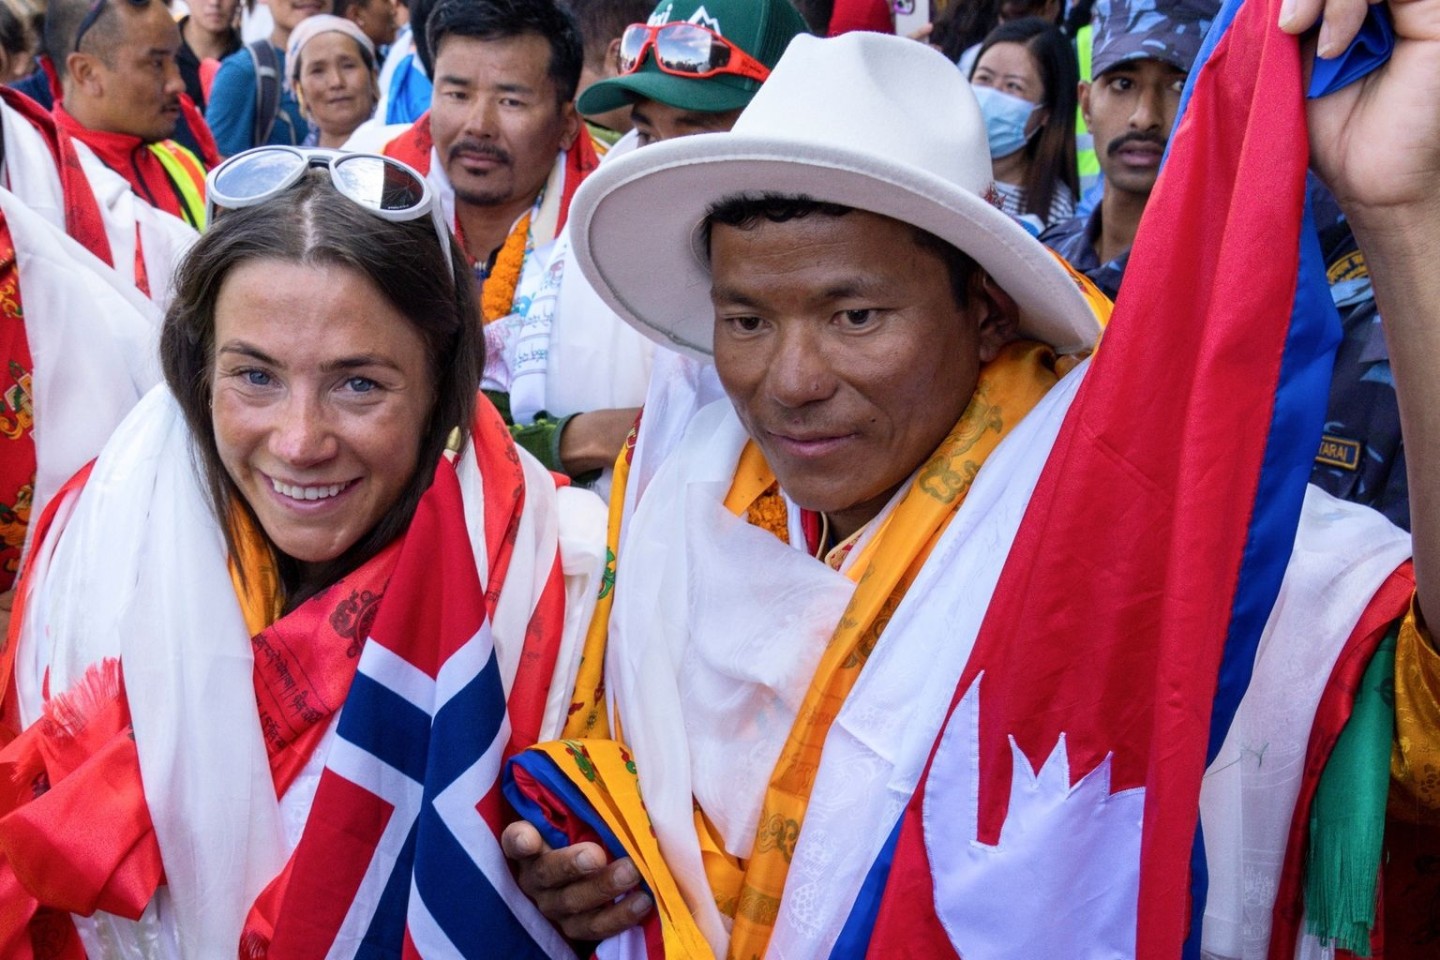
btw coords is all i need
(284, 531)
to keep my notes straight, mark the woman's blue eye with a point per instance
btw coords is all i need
(256, 378)
(361, 384)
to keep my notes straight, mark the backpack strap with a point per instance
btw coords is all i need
(267, 89)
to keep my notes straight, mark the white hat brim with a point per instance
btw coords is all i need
(636, 229)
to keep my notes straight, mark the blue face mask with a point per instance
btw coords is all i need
(1006, 118)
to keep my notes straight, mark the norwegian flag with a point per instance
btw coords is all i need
(401, 855)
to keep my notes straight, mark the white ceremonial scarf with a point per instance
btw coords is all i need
(780, 607)
(30, 168)
(140, 572)
(1343, 553)
(93, 339)
(666, 652)
(163, 239)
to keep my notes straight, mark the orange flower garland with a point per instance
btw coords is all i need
(497, 295)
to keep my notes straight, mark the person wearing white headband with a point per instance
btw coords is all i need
(332, 71)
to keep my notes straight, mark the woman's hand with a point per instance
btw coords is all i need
(585, 897)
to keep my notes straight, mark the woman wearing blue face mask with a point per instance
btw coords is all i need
(1025, 79)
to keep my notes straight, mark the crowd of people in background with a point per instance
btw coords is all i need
(367, 359)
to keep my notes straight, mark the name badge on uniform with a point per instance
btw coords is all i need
(1339, 452)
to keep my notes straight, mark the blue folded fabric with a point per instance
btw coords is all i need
(1369, 50)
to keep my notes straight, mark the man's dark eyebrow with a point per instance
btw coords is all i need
(451, 80)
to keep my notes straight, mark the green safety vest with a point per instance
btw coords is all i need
(1085, 157)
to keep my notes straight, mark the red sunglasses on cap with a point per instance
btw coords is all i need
(687, 50)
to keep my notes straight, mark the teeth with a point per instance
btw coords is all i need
(307, 493)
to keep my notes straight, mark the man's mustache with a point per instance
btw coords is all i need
(1135, 136)
(479, 148)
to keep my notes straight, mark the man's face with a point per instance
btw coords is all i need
(839, 341)
(289, 13)
(497, 118)
(135, 89)
(1130, 109)
(376, 19)
(655, 121)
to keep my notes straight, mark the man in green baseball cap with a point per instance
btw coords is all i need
(691, 68)
(695, 64)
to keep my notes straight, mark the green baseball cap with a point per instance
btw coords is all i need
(762, 28)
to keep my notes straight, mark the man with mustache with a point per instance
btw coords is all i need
(1141, 60)
(500, 143)
(122, 89)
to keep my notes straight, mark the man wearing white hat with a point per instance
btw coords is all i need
(896, 356)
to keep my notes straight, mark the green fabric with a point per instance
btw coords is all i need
(1086, 159)
(1347, 819)
(540, 439)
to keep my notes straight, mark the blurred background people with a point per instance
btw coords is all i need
(1025, 80)
(333, 73)
(243, 112)
(378, 19)
(122, 90)
(17, 45)
(209, 33)
(1140, 61)
(601, 24)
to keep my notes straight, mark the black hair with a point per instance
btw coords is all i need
(14, 33)
(313, 224)
(964, 24)
(817, 14)
(746, 211)
(601, 21)
(1050, 154)
(502, 19)
(62, 22)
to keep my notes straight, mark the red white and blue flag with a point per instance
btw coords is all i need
(400, 856)
(1123, 629)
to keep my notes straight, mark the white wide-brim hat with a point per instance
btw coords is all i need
(869, 121)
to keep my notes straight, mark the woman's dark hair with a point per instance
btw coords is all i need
(313, 225)
(964, 24)
(1051, 152)
(14, 33)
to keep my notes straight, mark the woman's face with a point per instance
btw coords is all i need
(1010, 68)
(214, 16)
(337, 87)
(320, 393)
(289, 13)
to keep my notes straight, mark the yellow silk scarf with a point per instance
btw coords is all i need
(254, 574)
(1415, 758)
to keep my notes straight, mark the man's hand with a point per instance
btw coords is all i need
(593, 440)
(586, 898)
(1376, 143)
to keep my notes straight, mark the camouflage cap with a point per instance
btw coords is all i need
(1167, 30)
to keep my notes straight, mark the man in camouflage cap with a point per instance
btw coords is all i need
(1143, 51)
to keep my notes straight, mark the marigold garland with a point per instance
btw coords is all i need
(497, 295)
(768, 512)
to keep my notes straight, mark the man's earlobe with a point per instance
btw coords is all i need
(999, 321)
(1083, 95)
(573, 125)
(612, 58)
